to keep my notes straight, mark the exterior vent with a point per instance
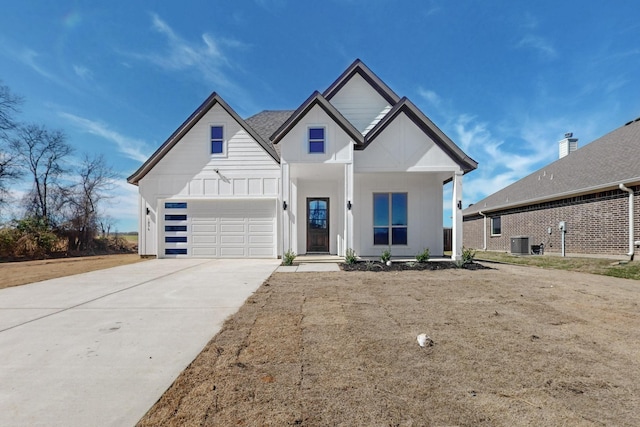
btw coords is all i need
(567, 145)
(520, 245)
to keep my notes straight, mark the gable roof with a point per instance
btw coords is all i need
(358, 67)
(317, 99)
(185, 127)
(407, 107)
(265, 123)
(598, 166)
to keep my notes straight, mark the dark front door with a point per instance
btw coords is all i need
(317, 225)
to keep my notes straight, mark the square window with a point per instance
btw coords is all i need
(217, 140)
(316, 140)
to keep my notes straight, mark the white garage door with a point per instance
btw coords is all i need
(220, 228)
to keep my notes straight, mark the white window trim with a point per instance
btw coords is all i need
(224, 140)
(308, 139)
(491, 226)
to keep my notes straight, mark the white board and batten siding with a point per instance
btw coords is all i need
(359, 103)
(218, 189)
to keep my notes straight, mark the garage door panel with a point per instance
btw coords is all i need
(260, 228)
(267, 239)
(208, 252)
(204, 239)
(232, 228)
(223, 228)
(232, 239)
(233, 252)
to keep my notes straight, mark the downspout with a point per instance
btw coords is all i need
(484, 228)
(631, 231)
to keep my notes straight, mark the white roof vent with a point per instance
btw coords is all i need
(568, 145)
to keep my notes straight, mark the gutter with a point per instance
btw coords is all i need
(631, 229)
(484, 228)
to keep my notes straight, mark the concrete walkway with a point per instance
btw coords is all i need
(100, 348)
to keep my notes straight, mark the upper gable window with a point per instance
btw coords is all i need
(316, 140)
(217, 140)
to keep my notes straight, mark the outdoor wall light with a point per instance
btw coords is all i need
(284, 205)
(349, 204)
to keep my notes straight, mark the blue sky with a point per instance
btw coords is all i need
(504, 79)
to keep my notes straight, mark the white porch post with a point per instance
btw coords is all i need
(456, 214)
(348, 218)
(286, 222)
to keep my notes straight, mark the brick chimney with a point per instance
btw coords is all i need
(567, 145)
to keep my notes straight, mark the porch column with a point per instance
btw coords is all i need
(456, 216)
(348, 218)
(286, 227)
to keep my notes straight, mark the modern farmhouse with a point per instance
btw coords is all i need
(354, 167)
(586, 202)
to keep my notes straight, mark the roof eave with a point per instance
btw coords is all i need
(553, 197)
(316, 98)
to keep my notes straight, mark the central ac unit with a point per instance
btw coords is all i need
(520, 245)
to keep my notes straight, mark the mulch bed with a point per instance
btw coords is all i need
(406, 266)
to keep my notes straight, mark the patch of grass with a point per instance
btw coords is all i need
(625, 271)
(605, 267)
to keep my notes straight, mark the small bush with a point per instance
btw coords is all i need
(288, 258)
(468, 255)
(386, 256)
(423, 256)
(369, 265)
(350, 256)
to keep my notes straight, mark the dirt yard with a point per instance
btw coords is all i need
(513, 346)
(20, 273)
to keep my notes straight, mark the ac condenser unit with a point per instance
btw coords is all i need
(520, 245)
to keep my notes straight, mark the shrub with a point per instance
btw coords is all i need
(288, 258)
(386, 256)
(350, 256)
(468, 255)
(423, 256)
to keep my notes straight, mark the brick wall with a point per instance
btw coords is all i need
(596, 224)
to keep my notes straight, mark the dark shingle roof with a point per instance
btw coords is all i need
(267, 122)
(600, 165)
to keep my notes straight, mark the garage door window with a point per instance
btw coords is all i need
(176, 228)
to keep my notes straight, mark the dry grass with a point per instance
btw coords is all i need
(513, 346)
(20, 273)
(607, 267)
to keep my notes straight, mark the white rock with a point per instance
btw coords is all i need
(424, 340)
(389, 263)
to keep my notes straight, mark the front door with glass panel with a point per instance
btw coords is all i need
(318, 225)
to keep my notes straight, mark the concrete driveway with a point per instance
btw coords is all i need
(100, 348)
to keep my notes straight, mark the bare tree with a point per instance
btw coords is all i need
(9, 105)
(9, 170)
(42, 152)
(95, 182)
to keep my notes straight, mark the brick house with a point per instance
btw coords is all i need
(593, 190)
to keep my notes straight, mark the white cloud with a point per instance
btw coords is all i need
(208, 57)
(540, 44)
(82, 72)
(123, 206)
(430, 96)
(132, 148)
